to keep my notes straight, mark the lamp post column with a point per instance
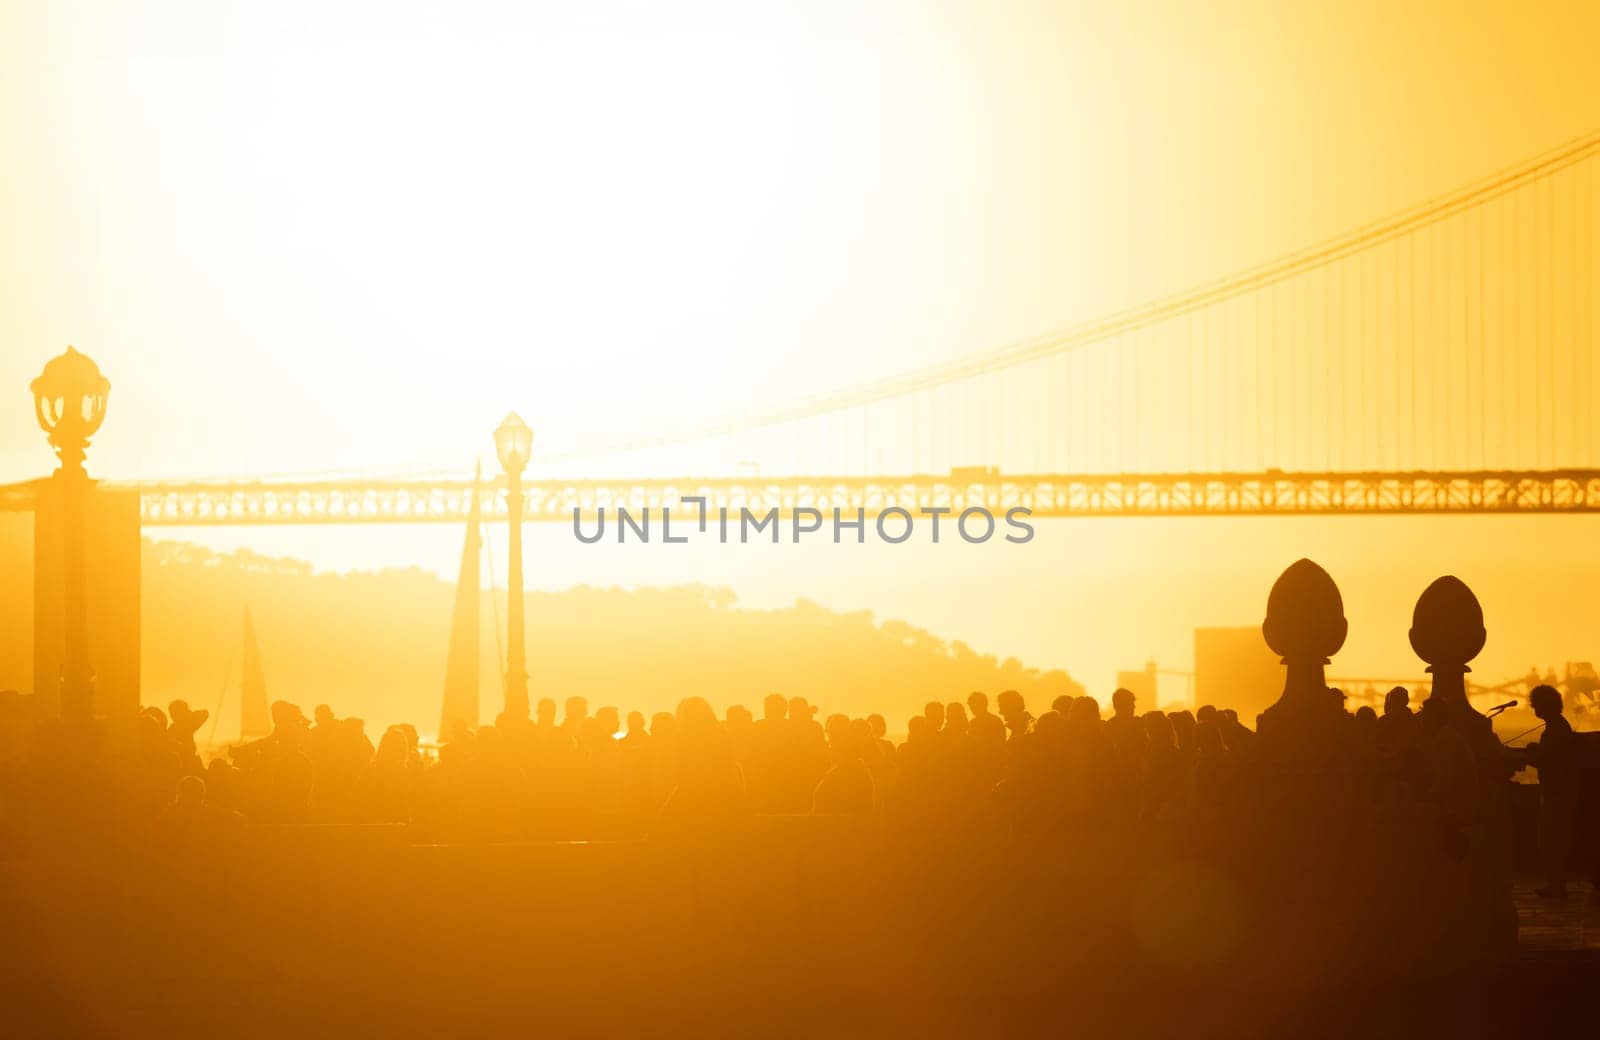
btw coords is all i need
(513, 443)
(77, 677)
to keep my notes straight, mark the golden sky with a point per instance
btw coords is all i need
(336, 236)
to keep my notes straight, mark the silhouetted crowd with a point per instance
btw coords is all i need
(577, 774)
(583, 774)
(958, 759)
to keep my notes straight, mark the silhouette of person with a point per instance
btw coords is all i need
(1365, 727)
(846, 789)
(190, 818)
(1234, 733)
(958, 752)
(386, 786)
(1397, 723)
(547, 738)
(1092, 773)
(988, 733)
(920, 779)
(878, 726)
(1555, 756)
(708, 780)
(769, 769)
(279, 772)
(808, 752)
(774, 710)
(576, 724)
(1211, 778)
(984, 724)
(1124, 729)
(186, 722)
(1016, 716)
(1183, 723)
(1160, 767)
(635, 734)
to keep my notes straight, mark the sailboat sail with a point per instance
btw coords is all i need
(255, 719)
(461, 662)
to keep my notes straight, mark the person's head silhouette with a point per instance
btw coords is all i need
(191, 793)
(695, 717)
(186, 721)
(287, 719)
(1084, 713)
(836, 728)
(1545, 702)
(1158, 730)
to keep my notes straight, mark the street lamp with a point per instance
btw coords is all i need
(69, 400)
(513, 443)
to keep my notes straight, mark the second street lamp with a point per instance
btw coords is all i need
(513, 443)
(69, 400)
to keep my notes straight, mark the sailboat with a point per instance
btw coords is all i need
(255, 718)
(461, 662)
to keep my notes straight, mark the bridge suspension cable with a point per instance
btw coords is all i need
(1132, 320)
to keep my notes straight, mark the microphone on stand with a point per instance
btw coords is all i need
(1498, 708)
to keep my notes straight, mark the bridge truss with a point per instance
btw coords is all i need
(1270, 493)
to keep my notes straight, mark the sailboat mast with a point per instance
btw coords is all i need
(461, 662)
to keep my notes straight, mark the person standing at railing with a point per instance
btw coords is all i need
(1555, 756)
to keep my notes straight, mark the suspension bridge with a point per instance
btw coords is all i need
(1437, 361)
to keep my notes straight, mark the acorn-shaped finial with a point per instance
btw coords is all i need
(1447, 624)
(1305, 614)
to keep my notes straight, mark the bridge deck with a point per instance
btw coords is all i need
(1267, 493)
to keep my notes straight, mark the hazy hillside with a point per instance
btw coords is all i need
(373, 644)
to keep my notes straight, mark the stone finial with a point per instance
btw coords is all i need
(1447, 625)
(1305, 614)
